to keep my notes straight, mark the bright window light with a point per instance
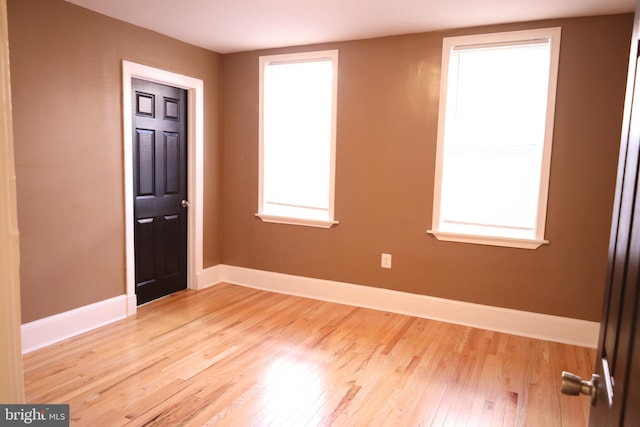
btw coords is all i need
(297, 141)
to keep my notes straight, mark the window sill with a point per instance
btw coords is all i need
(296, 221)
(488, 240)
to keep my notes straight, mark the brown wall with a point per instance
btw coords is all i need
(67, 85)
(386, 142)
(66, 82)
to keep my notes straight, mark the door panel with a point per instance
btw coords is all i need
(160, 186)
(144, 262)
(172, 229)
(172, 166)
(145, 145)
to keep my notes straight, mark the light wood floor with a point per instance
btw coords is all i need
(234, 356)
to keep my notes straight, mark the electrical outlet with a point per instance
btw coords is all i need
(385, 261)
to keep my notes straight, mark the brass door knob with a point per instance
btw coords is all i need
(573, 385)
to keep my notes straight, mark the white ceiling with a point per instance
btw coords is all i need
(226, 26)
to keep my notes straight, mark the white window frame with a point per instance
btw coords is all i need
(264, 61)
(535, 241)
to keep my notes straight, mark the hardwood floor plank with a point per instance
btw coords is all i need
(234, 356)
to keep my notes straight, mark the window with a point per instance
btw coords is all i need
(298, 138)
(497, 100)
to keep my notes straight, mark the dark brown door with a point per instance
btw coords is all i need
(160, 189)
(616, 388)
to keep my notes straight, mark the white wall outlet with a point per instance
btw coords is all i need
(385, 261)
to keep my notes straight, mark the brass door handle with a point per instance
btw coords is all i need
(185, 203)
(573, 385)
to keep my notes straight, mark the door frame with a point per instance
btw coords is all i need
(195, 172)
(11, 389)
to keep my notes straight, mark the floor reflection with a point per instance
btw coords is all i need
(293, 393)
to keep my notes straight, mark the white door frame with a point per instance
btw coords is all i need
(195, 143)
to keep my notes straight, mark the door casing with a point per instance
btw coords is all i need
(195, 172)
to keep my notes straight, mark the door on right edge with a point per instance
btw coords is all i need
(616, 388)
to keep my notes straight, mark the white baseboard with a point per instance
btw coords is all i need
(535, 325)
(50, 330)
(47, 331)
(210, 276)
